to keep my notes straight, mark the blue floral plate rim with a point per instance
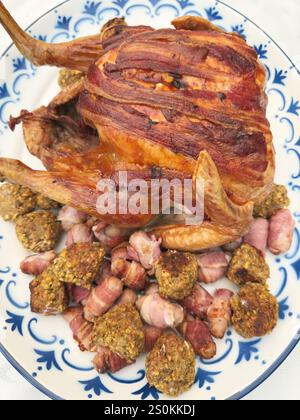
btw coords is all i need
(262, 30)
(285, 354)
(238, 396)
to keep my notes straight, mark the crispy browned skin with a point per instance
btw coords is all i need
(194, 23)
(41, 53)
(75, 55)
(77, 187)
(55, 133)
(219, 208)
(57, 136)
(197, 238)
(227, 222)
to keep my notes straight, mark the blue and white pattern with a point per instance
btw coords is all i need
(41, 348)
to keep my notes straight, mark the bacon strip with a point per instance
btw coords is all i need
(212, 266)
(128, 296)
(36, 264)
(281, 232)
(110, 236)
(78, 294)
(108, 361)
(132, 273)
(219, 313)
(79, 234)
(82, 329)
(159, 312)
(198, 303)
(258, 235)
(197, 333)
(69, 217)
(147, 249)
(152, 334)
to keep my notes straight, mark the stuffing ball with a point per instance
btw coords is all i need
(170, 366)
(80, 264)
(46, 203)
(48, 295)
(38, 231)
(248, 266)
(278, 199)
(121, 330)
(255, 311)
(69, 77)
(177, 274)
(15, 201)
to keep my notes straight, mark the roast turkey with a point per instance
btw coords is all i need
(185, 102)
